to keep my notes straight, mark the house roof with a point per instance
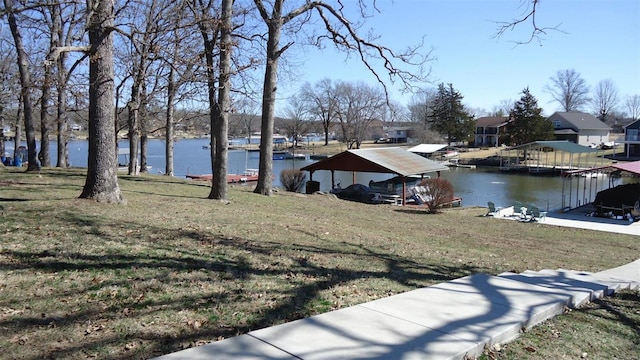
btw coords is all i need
(492, 121)
(565, 132)
(561, 145)
(581, 121)
(427, 148)
(393, 160)
(632, 125)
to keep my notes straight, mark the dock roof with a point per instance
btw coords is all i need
(561, 145)
(378, 160)
(427, 148)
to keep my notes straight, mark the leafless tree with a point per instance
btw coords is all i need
(632, 104)
(529, 13)
(143, 23)
(246, 112)
(420, 106)
(321, 99)
(569, 89)
(297, 118)
(26, 85)
(341, 32)
(605, 98)
(65, 20)
(9, 88)
(179, 63)
(358, 106)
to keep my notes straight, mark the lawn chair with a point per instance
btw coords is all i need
(536, 214)
(517, 209)
(493, 210)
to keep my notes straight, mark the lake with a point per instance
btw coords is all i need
(475, 186)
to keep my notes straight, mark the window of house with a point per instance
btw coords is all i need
(556, 123)
(632, 134)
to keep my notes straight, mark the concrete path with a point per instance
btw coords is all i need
(450, 320)
(578, 218)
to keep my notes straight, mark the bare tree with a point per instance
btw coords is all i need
(297, 118)
(605, 98)
(632, 104)
(9, 87)
(358, 106)
(178, 60)
(246, 113)
(343, 34)
(66, 28)
(321, 99)
(102, 179)
(569, 90)
(26, 86)
(528, 16)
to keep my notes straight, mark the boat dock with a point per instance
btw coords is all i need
(250, 175)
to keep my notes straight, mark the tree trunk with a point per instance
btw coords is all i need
(265, 175)
(25, 81)
(2, 146)
(219, 184)
(61, 85)
(43, 156)
(168, 134)
(102, 178)
(63, 134)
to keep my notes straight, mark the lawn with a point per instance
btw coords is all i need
(172, 269)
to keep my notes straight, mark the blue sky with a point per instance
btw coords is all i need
(599, 39)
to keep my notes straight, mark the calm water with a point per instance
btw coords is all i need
(475, 186)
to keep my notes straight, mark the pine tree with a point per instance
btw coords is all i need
(449, 117)
(527, 123)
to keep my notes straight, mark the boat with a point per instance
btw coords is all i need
(123, 160)
(318, 156)
(249, 175)
(285, 155)
(456, 163)
(393, 186)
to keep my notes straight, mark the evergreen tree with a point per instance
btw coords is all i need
(449, 117)
(527, 123)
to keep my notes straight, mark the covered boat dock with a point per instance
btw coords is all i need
(392, 160)
(549, 157)
(581, 187)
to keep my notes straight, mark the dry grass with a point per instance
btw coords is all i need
(608, 328)
(172, 269)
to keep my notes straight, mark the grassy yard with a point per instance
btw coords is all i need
(172, 269)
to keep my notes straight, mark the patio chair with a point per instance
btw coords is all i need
(493, 210)
(536, 214)
(517, 209)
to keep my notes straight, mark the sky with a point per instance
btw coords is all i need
(598, 39)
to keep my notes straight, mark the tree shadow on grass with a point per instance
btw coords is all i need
(195, 260)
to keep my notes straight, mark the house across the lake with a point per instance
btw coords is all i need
(489, 129)
(580, 128)
(632, 140)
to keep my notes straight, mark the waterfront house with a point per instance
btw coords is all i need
(632, 140)
(489, 129)
(580, 128)
(397, 134)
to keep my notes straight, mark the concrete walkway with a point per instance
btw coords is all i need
(451, 320)
(580, 219)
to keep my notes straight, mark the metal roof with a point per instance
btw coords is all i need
(427, 148)
(563, 145)
(632, 167)
(379, 160)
